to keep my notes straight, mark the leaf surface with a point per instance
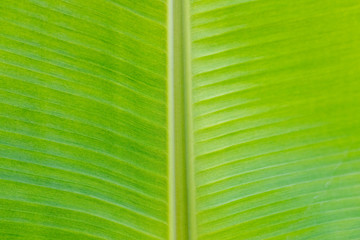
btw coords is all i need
(179, 119)
(276, 119)
(83, 156)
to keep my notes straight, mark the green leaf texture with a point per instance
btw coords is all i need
(276, 119)
(83, 136)
(254, 105)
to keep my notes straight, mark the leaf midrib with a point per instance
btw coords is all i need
(181, 183)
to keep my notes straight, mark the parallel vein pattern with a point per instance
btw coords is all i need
(276, 108)
(83, 138)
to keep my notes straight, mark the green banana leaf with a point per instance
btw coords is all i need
(180, 119)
